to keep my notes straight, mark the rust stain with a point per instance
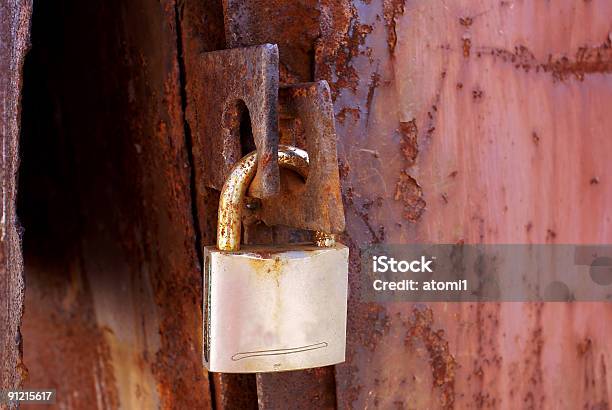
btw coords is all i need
(316, 386)
(477, 94)
(346, 111)
(409, 144)
(586, 60)
(342, 36)
(466, 39)
(410, 193)
(268, 267)
(467, 45)
(466, 21)
(407, 189)
(392, 9)
(252, 22)
(534, 398)
(443, 363)
(431, 117)
(366, 329)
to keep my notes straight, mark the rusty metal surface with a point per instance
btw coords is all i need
(114, 282)
(14, 40)
(293, 25)
(299, 390)
(235, 391)
(239, 82)
(473, 121)
(316, 205)
(232, 197)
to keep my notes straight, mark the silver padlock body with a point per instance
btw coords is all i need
(270, 309)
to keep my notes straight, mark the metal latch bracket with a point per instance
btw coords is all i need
(248, 78)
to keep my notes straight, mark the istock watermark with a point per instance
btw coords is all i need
(455, 273)
(386, 264)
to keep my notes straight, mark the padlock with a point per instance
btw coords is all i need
(271, 308)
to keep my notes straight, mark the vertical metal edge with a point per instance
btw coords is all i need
(207, 305)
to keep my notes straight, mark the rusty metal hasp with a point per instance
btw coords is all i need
(242, 79)
(236, 79)
(307, 120)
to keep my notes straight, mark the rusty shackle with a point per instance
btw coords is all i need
(234, 190)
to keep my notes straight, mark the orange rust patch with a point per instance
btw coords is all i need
(467, 45)
(342, 35)
(392, 9)
(409, 144)
(410, 193)
(268, 268)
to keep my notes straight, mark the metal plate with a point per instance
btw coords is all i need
(317, 204)
(237, 79)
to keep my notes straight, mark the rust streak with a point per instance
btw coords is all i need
(586, 60)
(392, 9)
(342, 35)
(443, 363)
(409, 144)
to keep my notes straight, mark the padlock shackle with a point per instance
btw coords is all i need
(231, 201)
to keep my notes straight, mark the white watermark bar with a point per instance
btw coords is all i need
(480, 273)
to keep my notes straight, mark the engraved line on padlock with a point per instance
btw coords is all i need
(244, 355)
(262, 315)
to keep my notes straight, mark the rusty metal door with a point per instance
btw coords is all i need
(457, 122)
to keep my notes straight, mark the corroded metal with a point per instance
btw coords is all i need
(231, 201)
(123, 92)
(14, 38)
(293, 25)
(241, 84)
(324, 239)
(249, 76)
(317, 204)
